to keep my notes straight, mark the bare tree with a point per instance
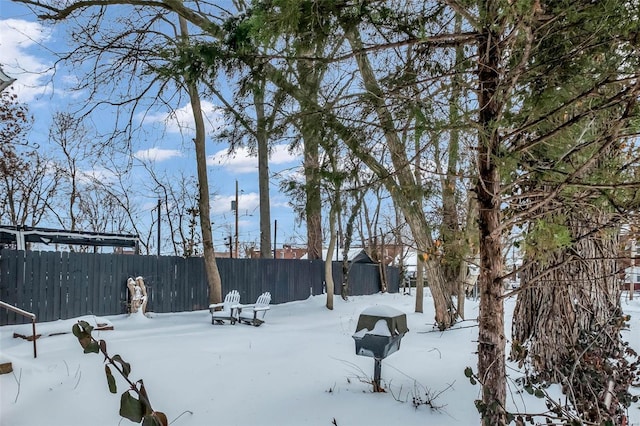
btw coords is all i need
(25, 177)
(71, 140)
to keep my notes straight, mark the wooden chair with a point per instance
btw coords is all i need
(228, 311)
(254, 313)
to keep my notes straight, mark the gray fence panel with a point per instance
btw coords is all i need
(55, 283)
(364, 279)
(5, 291)
(393, 280)
(60, 311)
(61, 285)
(94, 301)
(8, 285)
(44, 285)
(25, 287)
(162, 287)
(198, 295)
(179, 300)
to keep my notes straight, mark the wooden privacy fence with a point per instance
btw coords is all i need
(62, 285)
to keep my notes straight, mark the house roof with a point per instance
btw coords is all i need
(354, 255)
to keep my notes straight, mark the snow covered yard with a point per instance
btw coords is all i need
(299, 368)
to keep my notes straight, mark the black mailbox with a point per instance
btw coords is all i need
(378, 334)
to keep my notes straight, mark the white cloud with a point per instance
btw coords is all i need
(19, 42)
(181, 120)
(245, 161)
(96, 175)
(157, 154)
(247, 203)
(280, 155)
(280, 201)
(240, 161)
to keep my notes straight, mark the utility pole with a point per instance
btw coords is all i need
(275, 233)
(236, 250)
(159, 203)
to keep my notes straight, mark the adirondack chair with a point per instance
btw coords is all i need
(228, 311)
(254, 313)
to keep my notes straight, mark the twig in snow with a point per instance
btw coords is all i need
(181, 414)
(18, 380)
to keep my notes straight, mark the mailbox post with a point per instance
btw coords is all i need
(378, 334)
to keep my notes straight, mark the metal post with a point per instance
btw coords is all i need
(33, 327)
(275, 234)
(236, 250)
(159, 202)
(377, 370)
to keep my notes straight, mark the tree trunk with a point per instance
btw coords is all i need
(382, 265)
(348, 237)
(468, 281)
(211, 267)
(420, 284)
(405, 190)
(328, 264)
(491, 339)
(262, 139)
(310, 127)
(313, 206)
(555, 305)
(454, 242)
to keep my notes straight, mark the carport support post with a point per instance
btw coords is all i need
(377, 369)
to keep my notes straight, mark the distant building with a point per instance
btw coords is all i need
(286, 252)
(355, 255)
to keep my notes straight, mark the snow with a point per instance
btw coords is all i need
(380, 329)
(298, 368)
(381, 311)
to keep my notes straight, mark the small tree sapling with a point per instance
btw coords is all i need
(134, 402)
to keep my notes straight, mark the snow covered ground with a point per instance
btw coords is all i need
(299, 368)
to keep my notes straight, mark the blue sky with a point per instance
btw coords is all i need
(26, 53)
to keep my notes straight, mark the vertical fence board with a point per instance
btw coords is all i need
(111, 287)
(25, 289)
(39, 282)
(55, 281)
(93, 269)
(52, 285)
(10, 263)
(75, 285)
(198, 280)
(87, 293)
(179, 300)
(5, 283)
(164, 280)
(67, 277)
(104, 285)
